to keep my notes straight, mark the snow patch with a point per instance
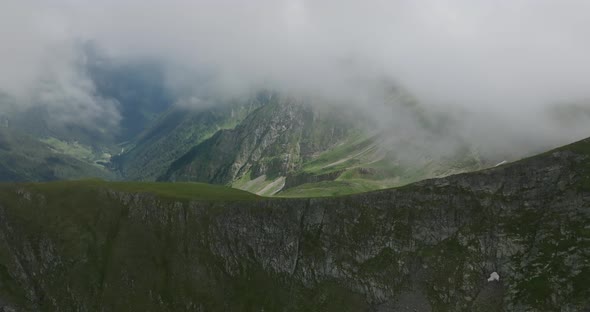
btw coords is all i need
(501, 163)
(494, 277)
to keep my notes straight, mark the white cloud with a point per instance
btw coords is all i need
(42, 65)
(500, 63)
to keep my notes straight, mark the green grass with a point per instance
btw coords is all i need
(351, 181)
(181, 191)
(25, 158)
(330, 188)
(352, 147)
(74, 149)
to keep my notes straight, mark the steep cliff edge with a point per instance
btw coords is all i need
(515, 237)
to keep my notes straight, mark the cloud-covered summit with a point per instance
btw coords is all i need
(502, 63)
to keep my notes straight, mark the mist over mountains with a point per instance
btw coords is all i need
(495, 66)
(506, 78)
(294, 155)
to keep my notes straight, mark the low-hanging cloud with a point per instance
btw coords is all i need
(44, 67)
(499, 67)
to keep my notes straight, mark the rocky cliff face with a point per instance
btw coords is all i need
(274, 140)
(513, 238)
(300, 146)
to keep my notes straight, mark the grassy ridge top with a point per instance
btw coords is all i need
(186, 191)
(210, 192)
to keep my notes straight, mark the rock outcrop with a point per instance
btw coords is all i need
(273, 141)
(430, 246)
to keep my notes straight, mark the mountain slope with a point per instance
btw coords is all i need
(371, 163)
(24, 158)
(511, 238)
(272, 141)
(267, 143)
(174, 134)
(293, 147)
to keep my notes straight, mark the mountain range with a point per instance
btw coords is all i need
(511, 238)
(282, 202)
(267, 143)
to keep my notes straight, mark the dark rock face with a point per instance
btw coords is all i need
(274, 140)
(431, 246)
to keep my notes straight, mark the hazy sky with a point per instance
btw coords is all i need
(503, 62)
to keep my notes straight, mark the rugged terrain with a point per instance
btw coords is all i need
(265, 142)
(271, 142)
(173, 134)
(292, 147)
(511, 238)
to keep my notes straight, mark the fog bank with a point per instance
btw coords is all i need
(504, 70)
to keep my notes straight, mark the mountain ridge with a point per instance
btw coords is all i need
(430, 246)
